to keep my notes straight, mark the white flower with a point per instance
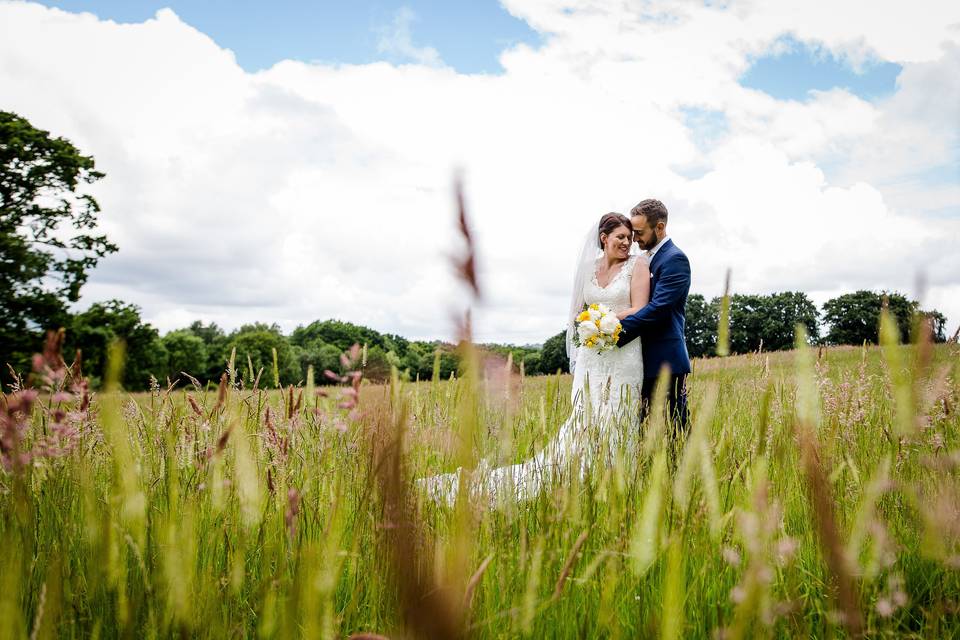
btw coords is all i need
(609, 324)
(586, 329)
(885, 608)
(595, 314)
(732, 556)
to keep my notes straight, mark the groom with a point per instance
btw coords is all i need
(660, 323)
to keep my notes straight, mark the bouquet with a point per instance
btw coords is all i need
(597, 328)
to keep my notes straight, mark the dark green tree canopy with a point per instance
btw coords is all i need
(215, 343)
(319, 355)
(769, 321)
(756, 321)
(342, 335)
(701, 327)
(553, 356)
(186, 353)
(211, 334)
(854, 318)
(254, 344)
(48, 239)
(531, 363)
(938, 325)
(93, 330)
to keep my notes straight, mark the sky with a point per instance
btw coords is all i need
(290, 161)
(470, 35)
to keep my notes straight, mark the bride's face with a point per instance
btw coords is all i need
(616, 244)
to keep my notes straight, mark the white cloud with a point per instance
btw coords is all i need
(396, 39)
(310, 191)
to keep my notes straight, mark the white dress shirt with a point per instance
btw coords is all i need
(653, 252)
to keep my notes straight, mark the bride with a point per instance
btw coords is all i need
(609, 272)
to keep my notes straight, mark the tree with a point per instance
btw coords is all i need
(398, 344)
(186, 352)
(854, 318)
(255, 344)
(747, 318)
(755, 320)
(321, 357)
(786, 310)
(449, 361)
(553, 356)
(769, 321)
(701, 326)
(515, 353)
(47, 233)
(93, 330)
(938, 325)
(342, 335)
(425, 355)
(417, 362)
(531, 363)
(379, 364)
(215, 344)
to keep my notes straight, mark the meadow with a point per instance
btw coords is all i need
(816, 495)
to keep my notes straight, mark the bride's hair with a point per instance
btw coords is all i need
(609, 222)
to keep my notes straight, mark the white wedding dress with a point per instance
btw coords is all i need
(604, 420)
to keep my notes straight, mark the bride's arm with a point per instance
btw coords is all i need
(639, 288)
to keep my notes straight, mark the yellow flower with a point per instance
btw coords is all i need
(583, 316)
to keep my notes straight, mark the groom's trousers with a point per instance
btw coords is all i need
(676, 401)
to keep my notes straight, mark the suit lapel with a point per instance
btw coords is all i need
(656, 258)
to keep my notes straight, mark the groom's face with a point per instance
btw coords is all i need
(644, 235)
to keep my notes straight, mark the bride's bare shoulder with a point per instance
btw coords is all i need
(640, 264)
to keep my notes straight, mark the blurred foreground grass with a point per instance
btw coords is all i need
(807, 476)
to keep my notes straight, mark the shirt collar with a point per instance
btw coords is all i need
(653, 251)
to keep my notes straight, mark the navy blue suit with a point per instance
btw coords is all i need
(660, 325)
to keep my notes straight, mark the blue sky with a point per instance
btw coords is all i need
(798, 69)
(467, 36)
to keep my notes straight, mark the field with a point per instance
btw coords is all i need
(817, 495)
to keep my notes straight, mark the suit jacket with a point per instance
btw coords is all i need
(660, 324)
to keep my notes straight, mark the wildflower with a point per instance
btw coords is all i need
(61, 397)
(293, 510)
(731, 556)
(194, 406)
(885, 608)
(786, 548)
(14, 423)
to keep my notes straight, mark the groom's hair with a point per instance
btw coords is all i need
(653, 210)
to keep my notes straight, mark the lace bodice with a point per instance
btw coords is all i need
(616, 294)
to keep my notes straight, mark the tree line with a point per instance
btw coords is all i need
(766, 322)
(262, 353)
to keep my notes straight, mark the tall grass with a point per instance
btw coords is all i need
(817, 494)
